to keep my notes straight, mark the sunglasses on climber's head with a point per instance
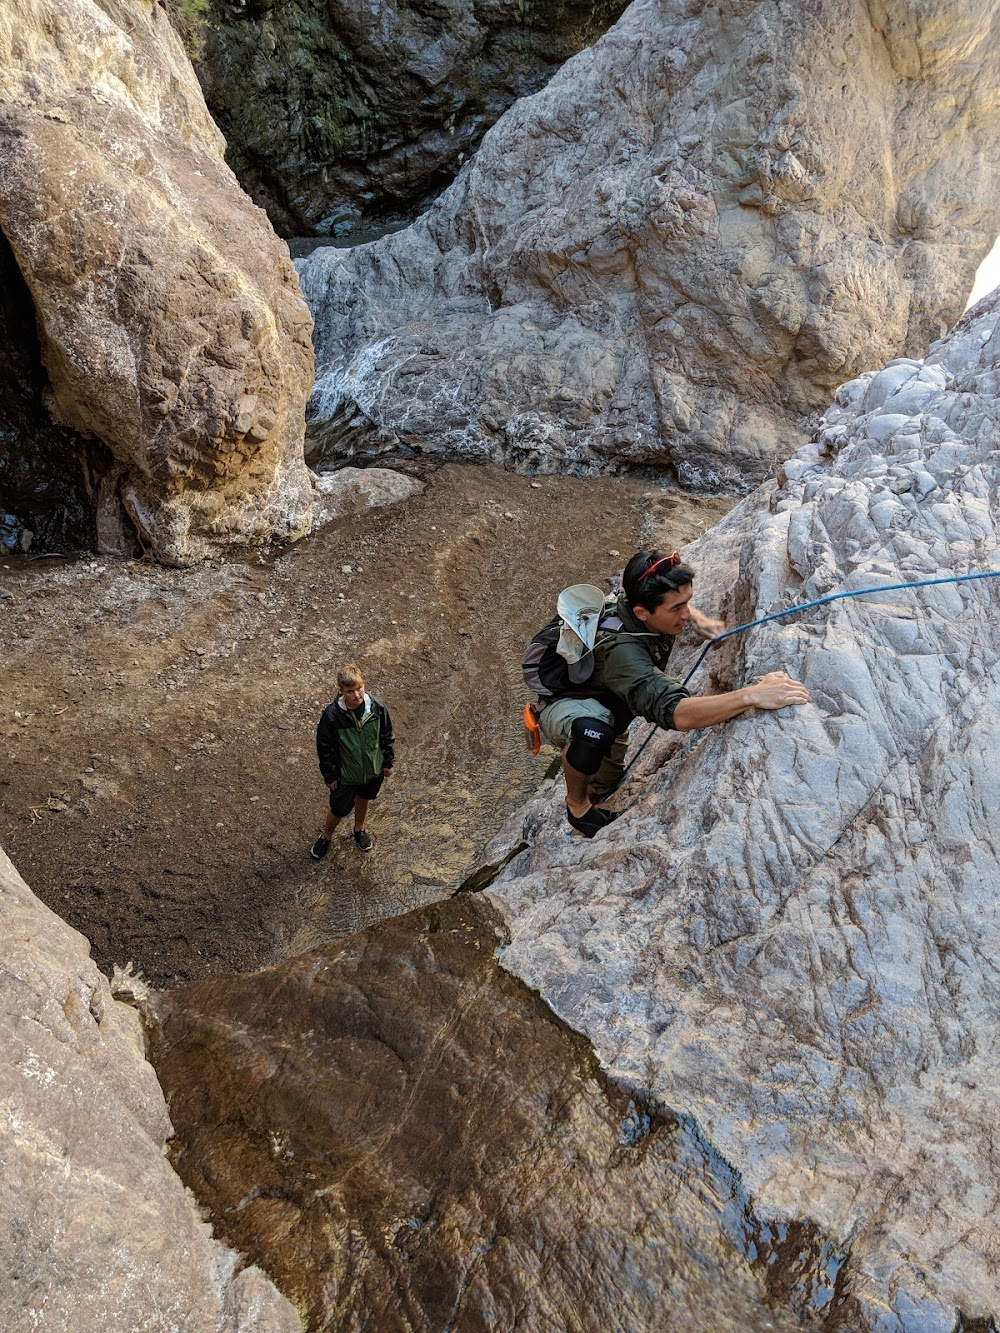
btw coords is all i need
(664, 565)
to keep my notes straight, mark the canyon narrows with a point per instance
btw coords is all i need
(730, 1065)
(680, 247)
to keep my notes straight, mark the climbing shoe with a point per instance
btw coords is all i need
(319, 848)
(363, 839)
(592, 822)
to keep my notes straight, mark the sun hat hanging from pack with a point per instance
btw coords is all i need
(579, 608)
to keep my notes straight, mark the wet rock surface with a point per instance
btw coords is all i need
(337, 115)
(97, 1234)
(404, 1137)
(170, 322)
(701, 226)
(791, 933)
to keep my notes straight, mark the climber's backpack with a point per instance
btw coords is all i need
(546, 672)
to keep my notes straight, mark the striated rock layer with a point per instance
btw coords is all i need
(792, 933)
(698, 229)
(336, 114)
(169, 316)
(408, 1140)
(97, 1234)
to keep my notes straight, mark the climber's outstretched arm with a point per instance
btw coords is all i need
(776, 690)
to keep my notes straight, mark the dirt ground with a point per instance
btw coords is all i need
(160, 788)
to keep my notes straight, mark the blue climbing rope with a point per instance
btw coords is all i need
(807, 606)
(834, 597)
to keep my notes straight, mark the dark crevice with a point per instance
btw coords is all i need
(45, 504)
(337, 126)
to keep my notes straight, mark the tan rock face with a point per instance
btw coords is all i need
(97, 1234)
(169, 314)
(703, 224)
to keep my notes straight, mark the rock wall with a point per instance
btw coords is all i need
(408, 1140)
(97, 1235)
(336, 115)
(169, 316)
(791, 933)
(698, 229)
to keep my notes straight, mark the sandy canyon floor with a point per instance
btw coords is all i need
(159, 788)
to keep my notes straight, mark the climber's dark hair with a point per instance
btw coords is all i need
(650, 575)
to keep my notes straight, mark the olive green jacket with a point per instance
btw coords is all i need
(628, 665)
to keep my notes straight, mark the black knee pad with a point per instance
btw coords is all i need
(590, 744)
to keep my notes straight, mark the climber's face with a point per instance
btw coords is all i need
(671, 615)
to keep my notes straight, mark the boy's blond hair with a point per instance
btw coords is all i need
(350, 675)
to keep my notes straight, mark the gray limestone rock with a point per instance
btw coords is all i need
(349, 490)
(408, 1140)
(700, 227)
(97, 1233)
(791, 934)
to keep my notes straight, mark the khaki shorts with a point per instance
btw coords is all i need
(556, 719)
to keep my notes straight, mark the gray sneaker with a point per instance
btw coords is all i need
(363, 839)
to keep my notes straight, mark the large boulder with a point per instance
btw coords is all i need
(791, 933)
(337, 114)
(350, 490)
(408, 1140)
(700, 227)
(98, 1235)
(169, 316)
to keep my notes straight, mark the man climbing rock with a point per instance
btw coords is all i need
(589, 722)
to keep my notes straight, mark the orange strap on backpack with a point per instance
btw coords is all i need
(531, 726)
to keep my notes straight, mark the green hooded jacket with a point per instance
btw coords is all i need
(628, 665)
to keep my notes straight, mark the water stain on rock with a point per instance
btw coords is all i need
(405, 1137)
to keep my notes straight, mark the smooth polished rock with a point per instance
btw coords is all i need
(169, 316)
(407, 1139)
(350, 490)
(701, 226)
(97, 1234)
(791, 933)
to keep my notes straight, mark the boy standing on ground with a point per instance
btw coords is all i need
(356, 751)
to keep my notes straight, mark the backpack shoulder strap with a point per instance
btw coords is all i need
(610, 622)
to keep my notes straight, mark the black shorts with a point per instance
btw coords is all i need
(342, 798)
